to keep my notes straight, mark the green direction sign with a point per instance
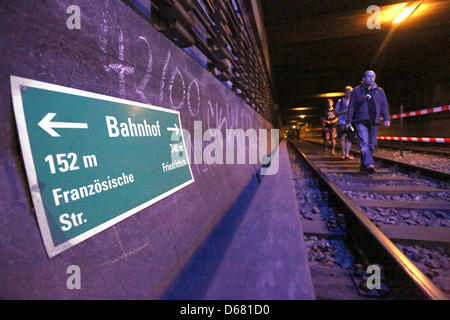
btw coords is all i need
(94, 160)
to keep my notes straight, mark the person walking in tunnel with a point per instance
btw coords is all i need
(342, 111)
(367, 104)
(329, 121)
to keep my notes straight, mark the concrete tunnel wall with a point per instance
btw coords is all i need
(116, 53)
(433, 125)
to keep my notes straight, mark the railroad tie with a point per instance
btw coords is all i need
(402, 189)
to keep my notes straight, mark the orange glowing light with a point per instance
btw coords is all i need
(389, 12)
(406, 12)
(331, 95)
(300, 109)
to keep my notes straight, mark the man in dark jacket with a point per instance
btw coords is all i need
(367, 104)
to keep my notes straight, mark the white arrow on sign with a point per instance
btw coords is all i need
(174, 129)
(47, 125)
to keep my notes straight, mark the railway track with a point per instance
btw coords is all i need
(438, 170)
(435, 149)
(397, 217)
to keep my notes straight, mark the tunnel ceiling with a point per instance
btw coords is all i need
(321, 46)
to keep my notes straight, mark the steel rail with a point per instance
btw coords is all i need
(433, 173)
(370, 237)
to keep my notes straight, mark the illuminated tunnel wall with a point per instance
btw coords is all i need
(115, 53)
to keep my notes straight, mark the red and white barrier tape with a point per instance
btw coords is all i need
(420, 112)
(415, 139)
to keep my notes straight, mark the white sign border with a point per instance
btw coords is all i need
(52, 250)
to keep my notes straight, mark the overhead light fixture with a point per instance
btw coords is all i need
(406, 12)
(302, 116)
(300, 109)
(331, 95)
(389, 12)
